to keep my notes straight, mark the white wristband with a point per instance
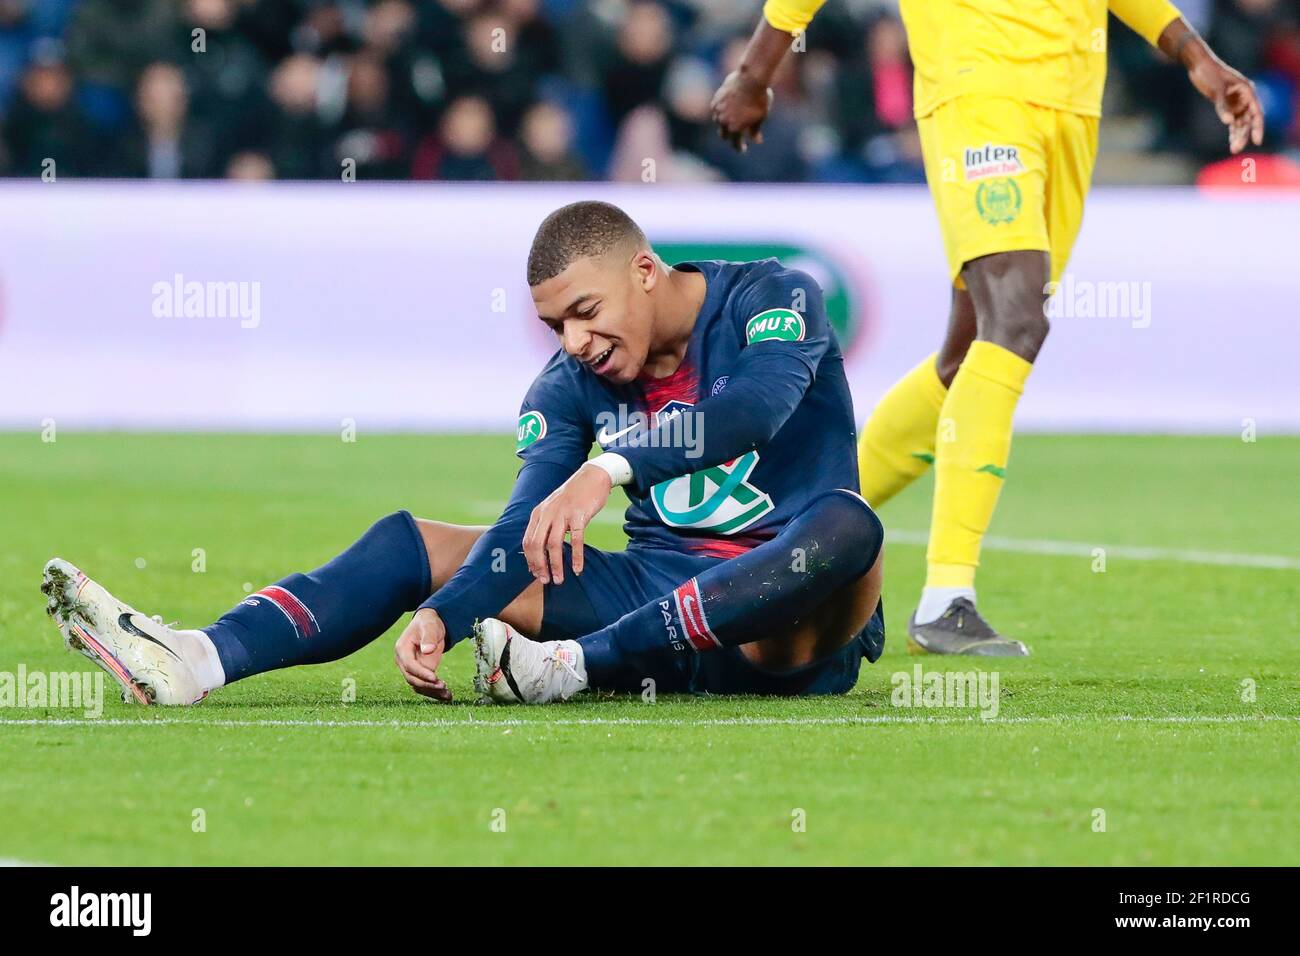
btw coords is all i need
(614, 465)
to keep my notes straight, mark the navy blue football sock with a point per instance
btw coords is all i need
(835, 540)
(332, 611)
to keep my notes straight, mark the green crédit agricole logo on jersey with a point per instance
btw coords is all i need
(720, 499)
(843, 311)
(532, 429)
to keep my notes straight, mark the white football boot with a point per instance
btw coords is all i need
(154, 663)
(514, 670)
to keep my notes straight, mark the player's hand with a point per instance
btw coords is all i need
(567, 510)
(1234, 99)
(419, 651)
(739, 108)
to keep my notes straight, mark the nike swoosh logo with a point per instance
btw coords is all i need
(604, 438)
(686, 610)
(125, 623)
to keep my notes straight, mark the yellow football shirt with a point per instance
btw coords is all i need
(1047, 52)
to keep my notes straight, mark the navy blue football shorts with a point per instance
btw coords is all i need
(614, 583)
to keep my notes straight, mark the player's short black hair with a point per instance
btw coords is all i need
(576, 231)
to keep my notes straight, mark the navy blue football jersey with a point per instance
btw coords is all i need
(762, 329)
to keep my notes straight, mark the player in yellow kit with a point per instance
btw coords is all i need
(1007, 99)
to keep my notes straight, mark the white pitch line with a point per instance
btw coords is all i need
(657, 722)
(6, 862)
(1078, 549)
(1064, 549)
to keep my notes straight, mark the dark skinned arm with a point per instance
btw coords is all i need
(745, 96)
(1233, 95)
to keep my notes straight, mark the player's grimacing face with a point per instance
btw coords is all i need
(600, 311)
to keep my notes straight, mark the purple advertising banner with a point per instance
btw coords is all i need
(404, 306)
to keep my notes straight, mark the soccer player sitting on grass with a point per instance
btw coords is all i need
(717, 392)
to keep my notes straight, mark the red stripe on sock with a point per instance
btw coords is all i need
(304, 622)
(691, 610)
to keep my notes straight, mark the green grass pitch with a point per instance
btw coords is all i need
(1135, 703)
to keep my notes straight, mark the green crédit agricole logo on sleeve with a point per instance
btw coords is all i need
(532, 429)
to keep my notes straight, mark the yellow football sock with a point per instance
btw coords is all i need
(974, 440)
(897, 442)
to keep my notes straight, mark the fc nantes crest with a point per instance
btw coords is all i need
(997, 200)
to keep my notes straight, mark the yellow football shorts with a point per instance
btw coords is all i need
(1007, 175)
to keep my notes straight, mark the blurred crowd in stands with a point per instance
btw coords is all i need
(534, 90)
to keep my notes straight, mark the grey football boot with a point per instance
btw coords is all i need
(961, 630)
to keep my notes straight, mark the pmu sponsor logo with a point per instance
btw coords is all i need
(989, 160)
(74, 908)
(532, 429)
(775, 325)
